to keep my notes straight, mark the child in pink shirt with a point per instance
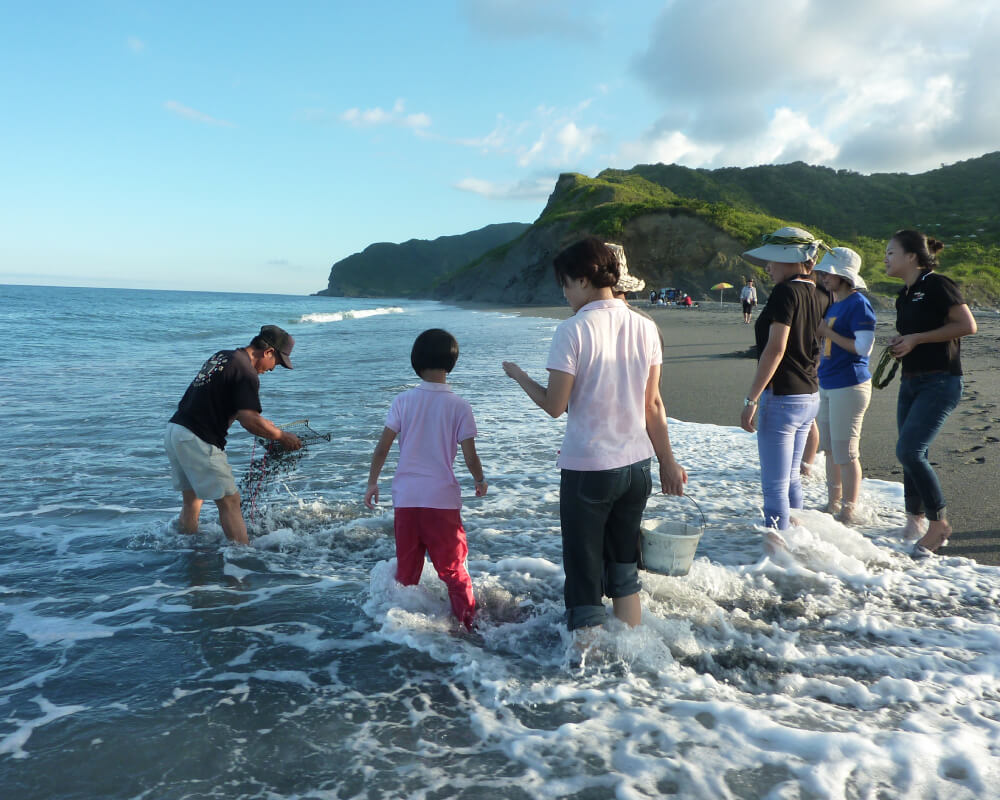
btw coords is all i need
(431, 423)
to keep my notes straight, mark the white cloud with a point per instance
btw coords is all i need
(528, 188)
(892, 85)
(575, 142)
(196, 116)
(672, 147)
(420, 120)
(370, 117)
(552, 137)
(135, 44)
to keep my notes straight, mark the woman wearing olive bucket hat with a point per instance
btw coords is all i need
(784, 393)
(845, 385)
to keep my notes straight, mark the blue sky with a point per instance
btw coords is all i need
(248, 146)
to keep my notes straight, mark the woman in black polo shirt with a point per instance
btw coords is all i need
(931, 317)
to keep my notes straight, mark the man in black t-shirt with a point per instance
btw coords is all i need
(225, 389)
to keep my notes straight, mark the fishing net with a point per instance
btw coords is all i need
(886, 369)
(274, 462)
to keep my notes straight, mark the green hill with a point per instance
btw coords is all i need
(410, 268)
(686, 227)
(956, 204)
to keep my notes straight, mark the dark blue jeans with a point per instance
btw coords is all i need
(600, 512)
(924, 403)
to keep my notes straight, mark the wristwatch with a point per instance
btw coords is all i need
(747, 402)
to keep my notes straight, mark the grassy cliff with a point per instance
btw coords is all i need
(687, 227)
(956, 204)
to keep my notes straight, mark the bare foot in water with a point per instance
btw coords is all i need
(915, 527)
(937, 535)
(774, 543)
(846, 514)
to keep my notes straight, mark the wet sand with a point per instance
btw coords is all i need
(706, 374)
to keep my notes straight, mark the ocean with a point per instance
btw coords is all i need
(136, 662)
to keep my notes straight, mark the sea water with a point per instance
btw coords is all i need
(139, 662)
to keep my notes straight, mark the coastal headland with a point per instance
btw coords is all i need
(708, 365)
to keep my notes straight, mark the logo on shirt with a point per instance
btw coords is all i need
(214, 364)
(916, 297)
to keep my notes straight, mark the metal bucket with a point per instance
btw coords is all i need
(668, 547)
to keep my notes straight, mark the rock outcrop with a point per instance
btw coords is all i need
(664, 248)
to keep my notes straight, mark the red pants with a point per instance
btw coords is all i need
(439, 533)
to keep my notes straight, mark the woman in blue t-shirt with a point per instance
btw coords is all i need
(845, 385)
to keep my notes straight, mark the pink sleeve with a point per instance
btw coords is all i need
(564, 351)
(653, 347)
(466, 424)
(394, 419)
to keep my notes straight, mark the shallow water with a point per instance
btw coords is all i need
(137, 662)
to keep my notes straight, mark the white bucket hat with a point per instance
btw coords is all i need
(626, 281)
(844, 263)
(786, 246)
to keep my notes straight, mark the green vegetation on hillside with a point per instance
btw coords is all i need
(606, 203)
(842, 207)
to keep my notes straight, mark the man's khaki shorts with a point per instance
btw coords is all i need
(196, 465)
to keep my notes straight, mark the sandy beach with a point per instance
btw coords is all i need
(706, 373)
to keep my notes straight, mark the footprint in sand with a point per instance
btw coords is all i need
(977, 460)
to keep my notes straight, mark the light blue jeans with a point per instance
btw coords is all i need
(783, 423)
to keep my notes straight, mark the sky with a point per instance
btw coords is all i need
(247, 146)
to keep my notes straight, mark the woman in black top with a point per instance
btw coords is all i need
(931, 318)
(785, 384)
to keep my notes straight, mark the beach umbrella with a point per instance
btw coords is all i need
(722, 287)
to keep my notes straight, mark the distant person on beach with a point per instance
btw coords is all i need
(784, 386)
(748, 297)
(432, 423)
(225, 389)
(931, 317)
(652, 297)
(845, 386)
(604, 369)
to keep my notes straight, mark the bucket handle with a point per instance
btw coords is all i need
(704, 522)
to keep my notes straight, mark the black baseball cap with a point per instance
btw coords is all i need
(282, 342)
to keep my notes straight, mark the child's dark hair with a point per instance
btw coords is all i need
(589, 258)
(434, 349)
(924, 247)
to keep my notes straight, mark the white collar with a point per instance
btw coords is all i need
(595, 304)
(429, 386)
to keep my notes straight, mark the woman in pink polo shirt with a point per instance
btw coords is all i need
(604, 370)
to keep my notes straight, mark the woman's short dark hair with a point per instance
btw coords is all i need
(924, 247)
(434, 349)
(260, 343)
(589, 258)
